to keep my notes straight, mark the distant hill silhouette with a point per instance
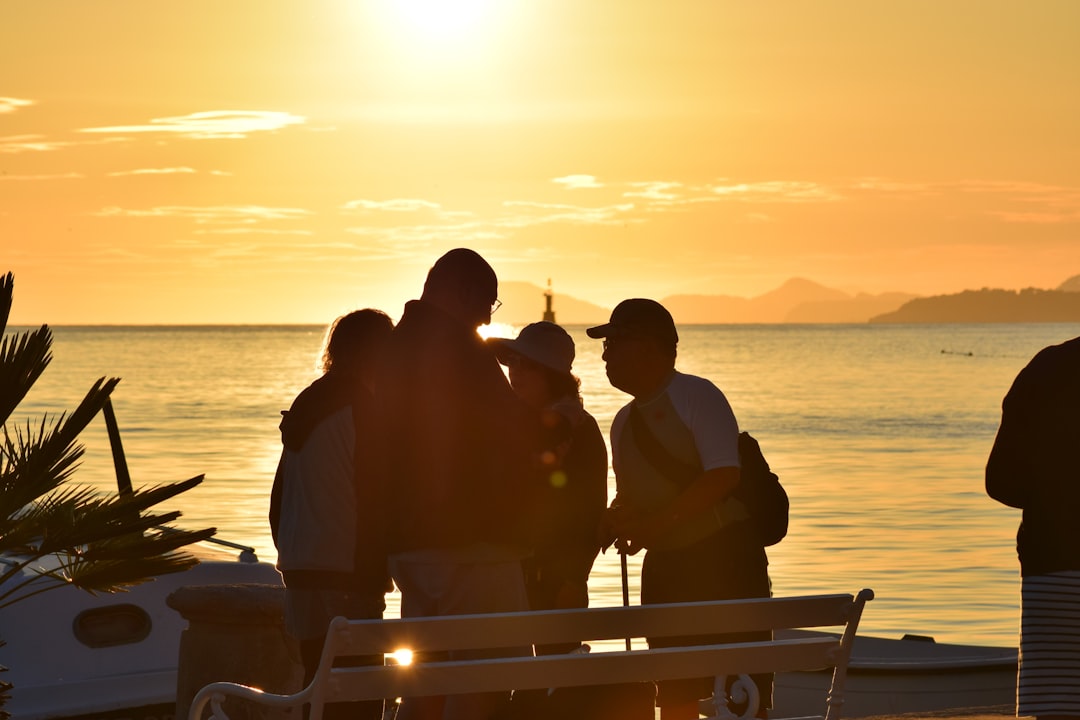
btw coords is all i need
(1070, 285)
(796, 301)
(523, 303)
(991, 305)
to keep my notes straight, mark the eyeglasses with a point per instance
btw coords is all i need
(496, 305)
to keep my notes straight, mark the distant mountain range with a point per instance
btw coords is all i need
(990, 305)
(803, 301)
(796, 301)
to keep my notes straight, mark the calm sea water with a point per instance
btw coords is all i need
(879, 433)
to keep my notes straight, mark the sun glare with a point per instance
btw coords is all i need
(442, 21)
(402, 656)
(496, 329)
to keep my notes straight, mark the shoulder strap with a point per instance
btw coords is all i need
(654, 452)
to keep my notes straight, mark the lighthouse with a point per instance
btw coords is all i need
(549, 314)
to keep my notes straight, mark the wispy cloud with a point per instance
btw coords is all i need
(210, 125)
(221, 214)
(794, 191)
(657, 190)
(577, 182)
(555, 213)
(60, 176)
(1032, 203)
(394, 205)
(154, 171)
(13, 144)
(425, 208)
(10, 104)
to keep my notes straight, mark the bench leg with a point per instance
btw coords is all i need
(743, 690)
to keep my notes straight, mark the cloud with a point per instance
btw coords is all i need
(395, 205)
(222, 214)
(13, 144)
(577, 182)
(10, 104)
(154, 171)
(574, 214)
(211, 125)
(793, 191)
(657, 190)
(62, 176)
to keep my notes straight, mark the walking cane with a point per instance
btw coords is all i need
(625, 587)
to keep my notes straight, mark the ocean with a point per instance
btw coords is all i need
(879, 433)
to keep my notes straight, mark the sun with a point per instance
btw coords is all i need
(441, 21)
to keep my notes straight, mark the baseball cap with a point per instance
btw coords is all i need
(542, 342)
(639, 317)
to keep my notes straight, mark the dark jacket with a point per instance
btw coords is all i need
(572, 497)
(1035, 461)
(459, 445)
(323, 508)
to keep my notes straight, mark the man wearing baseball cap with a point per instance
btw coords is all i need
(676, 460)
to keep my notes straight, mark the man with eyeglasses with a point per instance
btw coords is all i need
(457, 455)
(675, 452)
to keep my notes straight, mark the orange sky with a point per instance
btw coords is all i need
(220, 161)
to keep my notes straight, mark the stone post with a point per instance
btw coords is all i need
(235, 633)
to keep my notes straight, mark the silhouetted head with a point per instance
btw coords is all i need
(354, 341)
(540, 360)
(639, 345)
(463, 284)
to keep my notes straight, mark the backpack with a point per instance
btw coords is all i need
(759, 488)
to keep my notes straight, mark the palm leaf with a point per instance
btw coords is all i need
(23, 358)
(7, 290)
(36, 463)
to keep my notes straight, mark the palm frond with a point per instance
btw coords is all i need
(7, 291)
(23, 358)
(36, 463)
(113, 565)
(80, 516)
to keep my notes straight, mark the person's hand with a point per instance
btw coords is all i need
(629, 530)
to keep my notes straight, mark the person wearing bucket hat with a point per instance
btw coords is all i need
(675, 452)
(573, 493)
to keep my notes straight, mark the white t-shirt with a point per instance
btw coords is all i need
(693, 420)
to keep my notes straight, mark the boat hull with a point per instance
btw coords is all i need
(71, 654)
(891, 677)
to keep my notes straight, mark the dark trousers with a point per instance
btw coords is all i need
(729, 564)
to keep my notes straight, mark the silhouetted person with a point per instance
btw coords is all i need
(322, 509)
(460, 449)
(699, 543)
(573, 484)
(1035, 466)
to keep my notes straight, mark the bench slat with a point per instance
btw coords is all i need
(471, 676)
(501, 630)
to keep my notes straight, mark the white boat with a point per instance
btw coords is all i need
(75, 655)
(914, 674)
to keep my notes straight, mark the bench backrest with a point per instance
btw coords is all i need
(508, 630)
(520, 630)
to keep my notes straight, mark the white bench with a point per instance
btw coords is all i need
(462, 632)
